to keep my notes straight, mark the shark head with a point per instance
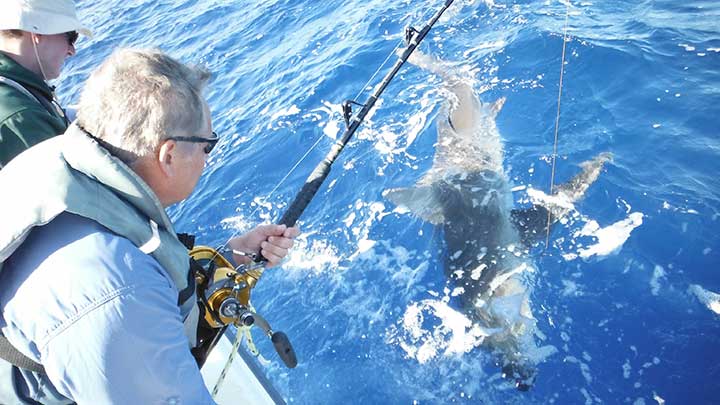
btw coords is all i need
(468, 139)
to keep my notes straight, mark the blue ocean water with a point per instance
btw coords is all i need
(625, 295)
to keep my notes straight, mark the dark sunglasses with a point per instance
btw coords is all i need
(72, 37)
(211, 142)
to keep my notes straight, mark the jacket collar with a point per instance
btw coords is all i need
(85, 155)
(14, 71)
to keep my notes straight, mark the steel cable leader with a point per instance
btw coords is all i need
(312, 184)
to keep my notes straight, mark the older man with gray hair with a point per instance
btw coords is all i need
(97, 295)
(36, 36)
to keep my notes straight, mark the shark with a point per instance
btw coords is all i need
(467, 194)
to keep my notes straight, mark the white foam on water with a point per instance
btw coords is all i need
(455, 333)
(666, 205)
(477, 272)
(687, 47)
(368, 213)
(588, 397)
(584, 368)
(626, 369)
(658, 399)
(394, 260)
(285, 112)
(237, 222)
(314, 256)
(485, 47)
(708, 298)
(329, 119)
(541, 198)
(610, 238)
(331, 129)
(571, 289)
(658, 275)
(539, 354)
(416, 123)
(365, 245)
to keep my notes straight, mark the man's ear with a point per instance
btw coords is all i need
(166, 157)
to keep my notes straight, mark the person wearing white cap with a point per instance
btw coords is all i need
(36, 36)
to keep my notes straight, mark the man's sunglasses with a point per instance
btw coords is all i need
(72, 37)
(211, 142)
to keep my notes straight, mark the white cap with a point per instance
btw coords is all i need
(41, 17)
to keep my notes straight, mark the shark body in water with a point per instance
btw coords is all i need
(466, 192)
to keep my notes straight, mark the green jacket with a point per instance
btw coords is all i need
(24, 121)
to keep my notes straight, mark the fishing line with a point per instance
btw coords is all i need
(557, 120)
(390, 55)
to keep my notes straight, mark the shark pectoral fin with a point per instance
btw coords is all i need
(421, 201)
(531, 223)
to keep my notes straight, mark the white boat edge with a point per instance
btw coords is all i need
(245, 381)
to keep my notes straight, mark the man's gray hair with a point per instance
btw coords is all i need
(137, 98)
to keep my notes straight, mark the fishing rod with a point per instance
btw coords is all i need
(226, 290)
(312, 184)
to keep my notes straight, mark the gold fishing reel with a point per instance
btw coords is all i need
(224, 291)
(223, 288)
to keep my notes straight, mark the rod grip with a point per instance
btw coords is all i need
(306, 194)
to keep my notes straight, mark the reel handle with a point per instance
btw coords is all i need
(284, 349)
(282, 344)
